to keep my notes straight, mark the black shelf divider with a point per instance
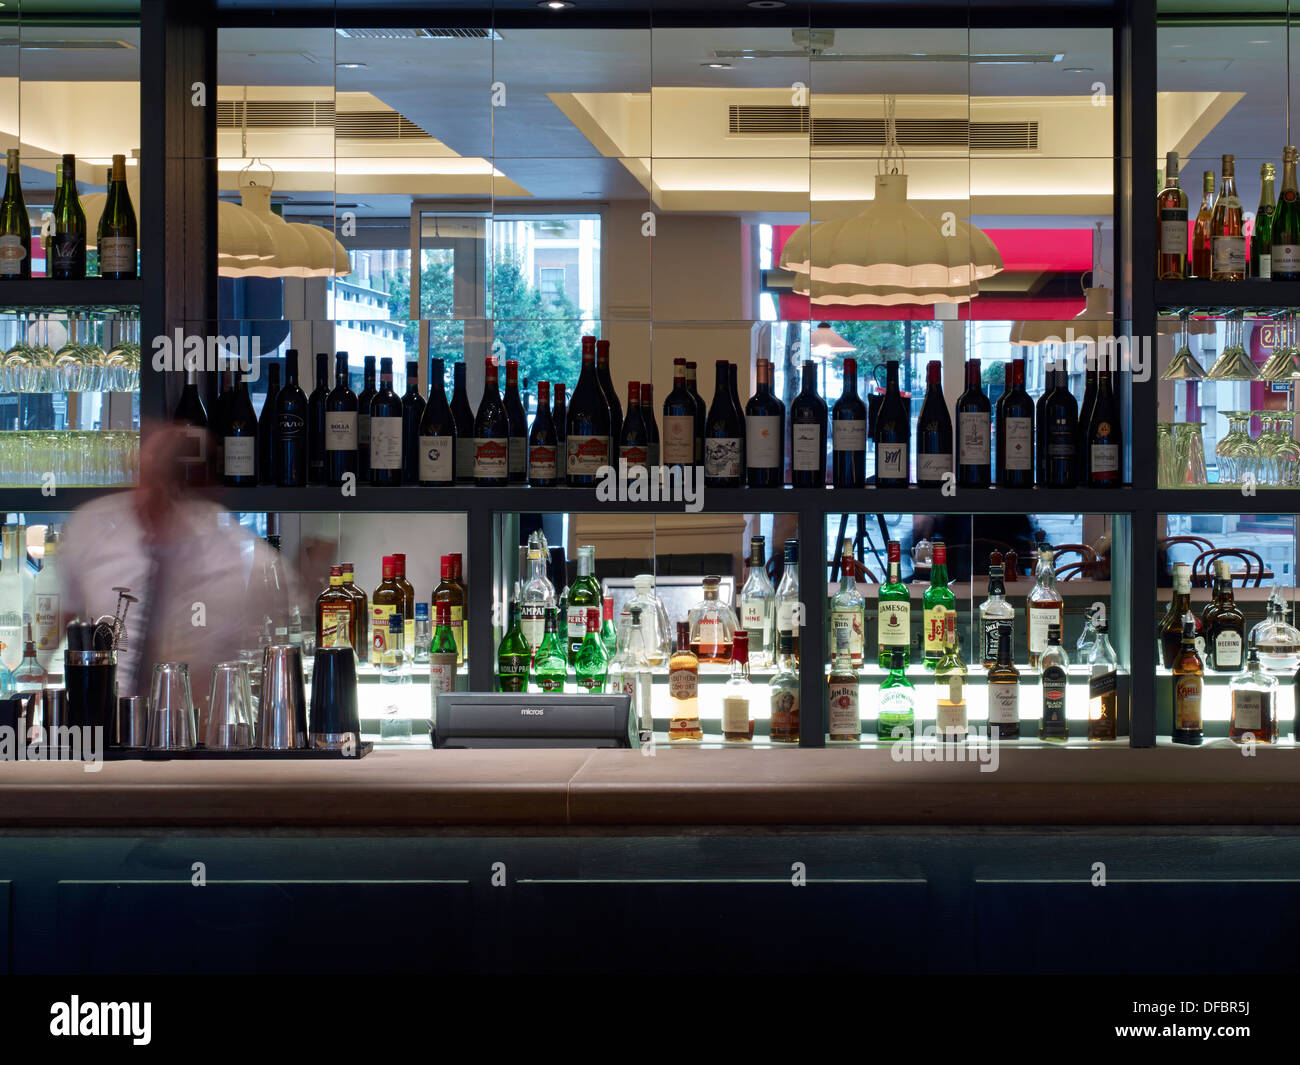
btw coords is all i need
(1267, 297)
(92, 292)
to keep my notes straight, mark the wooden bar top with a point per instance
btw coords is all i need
(674, 788)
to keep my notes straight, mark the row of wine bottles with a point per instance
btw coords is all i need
(65, 251)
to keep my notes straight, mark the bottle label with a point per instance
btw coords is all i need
(1285, 259)
(464, 457)
(932, 467)
(1102, 684)
(46, 614)
(806, 448)
(1054, 688)
(363, 432)
(442, 673)
(68, 252)
(117, 255)
(722, 456)
(1227, 649)
(785, 615)
(550, 682)
(239, 456)
(533, 622)
(973, 438)
(1229, 255)
(458, 632)
(895, 623)
(891, 461)
(935, 618)
(512, 673)
(1019, 444)
(541, 462)
(491, 458)
(1248, 710)
(711, 633)
(12, 254)
(851, 622)
(518, 456)
(1265, 266)
(335, 626)
(1004, 704)
(436, 458)
(763, 441)
(950, 713)
(845, 717)
(379, 616)
(634, 455)
(678, 440)
(341, 430)
(753, 614)
(784, 720)
(385, 443)
(1105, 459)
(849, 434)
(1187, 701)
(586, 455)
(292, 426)
(576, 622)
(1173, 231)
(991, 627)
(1060, 438)
(735, 714)
(1040, 618)
(683, 683)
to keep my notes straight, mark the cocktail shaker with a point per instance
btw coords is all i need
(282, 711)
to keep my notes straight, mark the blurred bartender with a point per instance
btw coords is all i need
(196, 572)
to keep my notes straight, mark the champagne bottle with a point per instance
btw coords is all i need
(117, 229)
(15, 227)
(1285, 229)
(1261, 234)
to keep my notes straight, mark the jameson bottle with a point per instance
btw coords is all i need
(894, 612)
(116, 239)
(15, 227)
(1284, 231)
(1171, 203)
(1261, 234)
(1227, 237)
(68, 249)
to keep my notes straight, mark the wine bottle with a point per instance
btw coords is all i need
(1008, 373)
(764, 434)
(1085, 417)
(386, 430)
(1227, 237)
(586, 435)
(849, 433)
(651, 425)
(219, 412)
(560, 416)
(116, 239)
(973, 451)
(1105, 437)
(1202, 253)
(934, 455)
(808, 433)
(1261, 232)
(518, 463)
(437, 461)
(291, 428)
(611, 399)
(266, 426)
(543, 445)
(68, 249)
(634, 441)
(1016, 433)
(892, 434)
(733, 378)
(1060, 435)
(412, 416)
(722, 442)
(317, 466)
(1285, 231)
(463, 415)
(15, 226)
(491, 430)
(1171, 203)
(679, 422)
(239, 443)
(701, 411)
(1040, 424)
(367, 394)
(341, 425)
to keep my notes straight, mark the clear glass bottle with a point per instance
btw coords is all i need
(995, 610)
(787, 600)
(1254, 703)
(784, 689)
(684, 689)
(536, 597)
(629, 673)
(896, 718)
(951, 723)
(395, 677)
(848, 608)
(712, 626)
(658, 633)
(1275, 638)
(1046, 607)
(1052, 723)
(423, 634)
(1103, 686)
(30, 676)
(845, 715)
(737, 721)
(1088, 637)
(756, 599)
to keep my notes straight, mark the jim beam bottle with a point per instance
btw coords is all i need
(1188, 673)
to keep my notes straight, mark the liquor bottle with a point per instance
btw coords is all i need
(607, 390)
(764, 441)
(387, 600)
(1103, 686)
(591, 665)
(651, 426)
(1052, 724)
(934, 454)
(386, 430)
(68, 249)
(1188, 672)
(518, 460)
(1004, 691)
(1105, 439)
(679, 422)
(116, 237)
(1210, 609)
(408, 597)
(634, 440)
(723, 440)
(291, 428)
(974, 459)
(1040, 423)
(412, 415)
(317, 466)
(543, 445)
(848, 607)
(1254, 703)
(629, 674)
(560, 416)
(463, 416)
(607, 634)
(239, 438)
(994, 611)
(1171, 205)
(394, 672)
(587, 434)
(341, 425)
(367, 393)
(737, 722)
(1284, 231)
(1058, 444)
(683, 689)
(1087, 635)
(808, 433)
(1045, 606)
(658, 634)
(335, 624)
(950, 689)
(514, 657)
(584, 595)
(458, 578)
(1170, 631)
(550, 663)
(46, 608)
(1225, 629)
(1202, 249)
(756, 599)
(788, 610)
(536, 598)
(442, 655)
(423, 635)
(937, 602)
(845, 723)
(1016, 433)
(1261, 233)
(896, 717)
(360, 612)
(1227, 238)
(849, 433)
(491, 431)
(892, 434)
(437, 443)
(894, 611)
(15, 226)
(30, 676)
(712, 626)
(701, 411)
(449, 592)
(783, 724)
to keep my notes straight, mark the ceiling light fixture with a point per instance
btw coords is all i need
(1078, 70)
(717, 66)
(766, 4)
(350, 66)
(556, 5)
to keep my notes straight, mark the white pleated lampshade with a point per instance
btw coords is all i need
(242, 241)
(1095, 322)
(822, 293)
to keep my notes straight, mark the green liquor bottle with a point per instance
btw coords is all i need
(894, 612)
(896, 719)
(939, 602)
(442, 654)
(584, 594)
(592, 663)
(513, 656)
(551, 663)
(607, 635)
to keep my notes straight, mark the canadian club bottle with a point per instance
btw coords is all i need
(291, 428)
(764, 434)
(15, 226)
(808, 433)
(116, 238)
(543, 447)
(1016, 433)
(68, 249)
(934, 454)
(316, 464)
(341, 425)
(587, 432)
(437, 444)
(1189, 679)
(611, 399)
(412, 416)
(266, 426)
(1171, 203)
(849, 433)
(651, 425)
(974, 457)
(1285, 231)
(1227, 236)
(892, 434)
(518, 425)
(722, 434)
(1059, 435)
(386, 430)
(463, 416)
(701, 411)
(1105, 443)
(634, 441)
(679, 422)
(239, 443)
(364, 398)
(491, 431)
(1004, 690)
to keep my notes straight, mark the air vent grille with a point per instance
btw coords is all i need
(769, 121)
(467, 33)
(300, 114)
